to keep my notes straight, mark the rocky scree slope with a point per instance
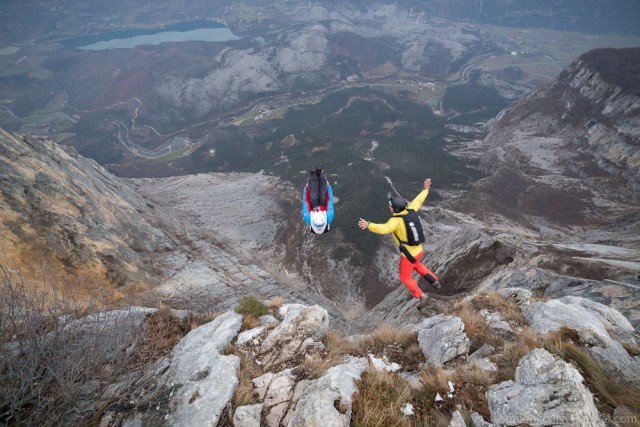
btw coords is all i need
(290, 369)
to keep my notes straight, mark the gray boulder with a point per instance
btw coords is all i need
(275, 391)
(552, 315)
(611, 318)
(300, 328)
(546, 391)
(457, 420)
(247, 416)
(202, 379)
(519, 295)
(442, 338)
(321, 399)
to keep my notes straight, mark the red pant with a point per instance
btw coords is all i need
(406, 274)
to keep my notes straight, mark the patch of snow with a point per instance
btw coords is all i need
(383, 364)
(407, 409)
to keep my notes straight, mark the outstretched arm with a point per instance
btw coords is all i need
(419, 200)
(386, 228)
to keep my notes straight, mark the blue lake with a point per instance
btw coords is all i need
(186, 31)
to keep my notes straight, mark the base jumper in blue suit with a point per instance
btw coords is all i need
(317, 202)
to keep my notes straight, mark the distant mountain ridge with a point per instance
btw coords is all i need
(569, 152)
(563, 165)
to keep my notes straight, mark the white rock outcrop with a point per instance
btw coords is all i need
(204, 380)
(442, 338)
(589, 319)
(546, 391)
(322, 397)
(300, 328)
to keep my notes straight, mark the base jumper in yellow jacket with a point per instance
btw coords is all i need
(396, 225)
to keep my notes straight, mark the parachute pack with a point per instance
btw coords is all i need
(413, 224)
(415, 234)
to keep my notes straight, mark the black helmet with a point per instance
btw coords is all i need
(398, 203)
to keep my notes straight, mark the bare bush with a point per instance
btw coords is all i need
(54, 357)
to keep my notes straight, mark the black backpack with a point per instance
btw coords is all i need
(413, 224)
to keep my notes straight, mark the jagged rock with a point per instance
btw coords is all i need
(495, 321)
(83, 218)
(300, 328)
(519, 295)
(552, 315)
(484, 363)
(275, 392)
(457, 420)
(267, 319)
(327, 401)
(297, 394)
(247, 416)
(546, 391)
(480, 358)
(478, 421)
(485, 350)
(203, 380)
(442, 338)
(611, 318)
(250, 335)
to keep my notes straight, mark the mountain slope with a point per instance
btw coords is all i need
(566, 157)
(67, 214)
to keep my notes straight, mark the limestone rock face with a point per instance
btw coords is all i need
(247, 416)
(546, 391)
(301, 327)
(564, 161)
(579, 315)
(327, 401)
(442, 338)
(70, 214)
(204, 380)
(275, 390)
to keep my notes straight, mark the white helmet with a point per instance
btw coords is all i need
(318, 221)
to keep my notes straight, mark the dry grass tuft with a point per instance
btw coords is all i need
(396, 345)
(512, 352)
(249, 321)
(381, 338)
(435, 380)
(245, 393)
(476, 326)
(336, 347)
(336, 344)
(161, 331)
(494, 302)
(199, 319)
(472, 385)
(276, 303)
(474, 375)
(379, 399)
(632, 349)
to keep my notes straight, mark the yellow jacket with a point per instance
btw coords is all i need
(395, 224)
